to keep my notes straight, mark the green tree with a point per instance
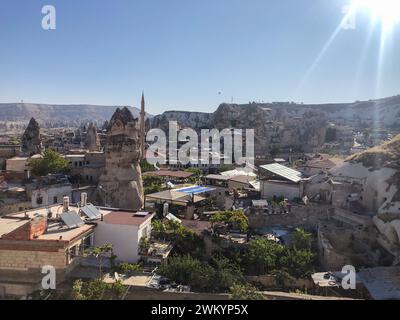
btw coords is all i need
(263, 256)
(144, 245)
(197, 174)
(145, 166)
(152, 184)
(245, 292)
(159, 229)
(99, 253)
(226, 274)
(51, 163)
(301, 239)
(299, 263)
(187, 270)
(127, 268)
(92, 290)
(234, 219)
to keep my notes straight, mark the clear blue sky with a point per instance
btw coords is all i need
(191, 54)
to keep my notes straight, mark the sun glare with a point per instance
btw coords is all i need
(388, 11)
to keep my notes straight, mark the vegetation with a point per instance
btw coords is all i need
(235, 219)
(158, 229)
(226, 167)
(15, 141)
(218, 276)
(96, 289)
(129, 267)
(152, 184)
(185, 240)
(301, 239)
(264, 257)
(197, 174)
(245, 292)
(92, 290)
(99, 253)
(145, 166)
(144, 245)
(51, 163)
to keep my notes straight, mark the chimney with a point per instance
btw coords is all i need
(65, 204)
(83, 199)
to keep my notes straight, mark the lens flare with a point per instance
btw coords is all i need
(387, 11)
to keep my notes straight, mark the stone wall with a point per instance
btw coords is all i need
(27, 260)
(300, 216)
(269, 281)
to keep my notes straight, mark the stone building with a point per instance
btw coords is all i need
(121, 185)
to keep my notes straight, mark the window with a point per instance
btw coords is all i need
(39, 200)
(55, 200)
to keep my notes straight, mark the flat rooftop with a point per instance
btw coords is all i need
(8, 225)
(55, 229)
(126, 218)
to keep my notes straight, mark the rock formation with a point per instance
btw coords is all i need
(92, 140)
(121, 185)
(30, 141)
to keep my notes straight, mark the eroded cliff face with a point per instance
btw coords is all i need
(121, 185)
(275, 126)
(30, 141)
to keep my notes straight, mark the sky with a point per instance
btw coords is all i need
(193, 54)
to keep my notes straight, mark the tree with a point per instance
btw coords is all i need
(226, 274)
(152, 184)
(185, 240)
(263, 256)
(129, 267)
(187, 270)
(299, 263)
(245, 292)
(51, 163)
(233, 219)
(99, 253)
(197, 174)
(144, 245)
(158, 229)
(145, 166)
(92, 290)
(301, 239)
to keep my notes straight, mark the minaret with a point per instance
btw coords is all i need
(142, 127)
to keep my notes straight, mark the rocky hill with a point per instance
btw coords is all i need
(288, 125)
(48, 114)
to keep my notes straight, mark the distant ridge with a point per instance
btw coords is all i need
(51, 113)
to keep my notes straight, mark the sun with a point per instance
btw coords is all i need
(388, 11)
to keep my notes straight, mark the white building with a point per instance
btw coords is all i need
(50, 195)
(277, 180)
(124, 230)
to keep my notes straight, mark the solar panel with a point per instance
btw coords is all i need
(91, 211)
(71, 219)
